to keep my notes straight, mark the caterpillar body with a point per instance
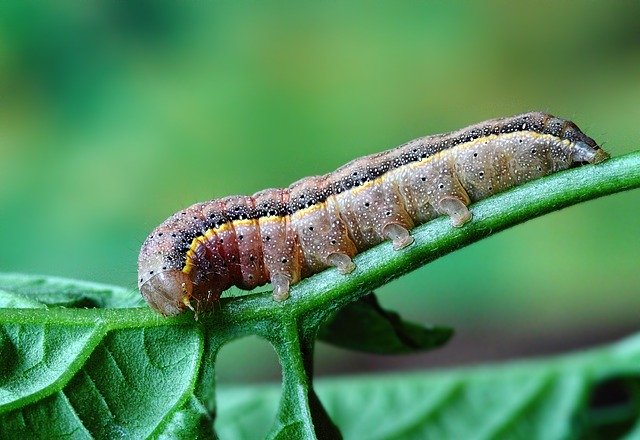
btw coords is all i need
(284, 235)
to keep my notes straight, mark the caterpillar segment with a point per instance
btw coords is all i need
(284, 235)
(283, 258)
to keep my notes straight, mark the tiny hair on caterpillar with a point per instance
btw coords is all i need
(281, 236)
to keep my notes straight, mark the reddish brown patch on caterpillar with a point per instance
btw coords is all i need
(284, 235)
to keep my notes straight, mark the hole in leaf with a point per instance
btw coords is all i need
(234, 403)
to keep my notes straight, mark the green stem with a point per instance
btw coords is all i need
(301, 415)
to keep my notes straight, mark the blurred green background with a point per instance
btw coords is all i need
(115, 114)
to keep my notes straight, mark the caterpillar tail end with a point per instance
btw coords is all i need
(600, 156)
(584, 152)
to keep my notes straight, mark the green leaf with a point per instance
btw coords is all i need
(38, 358)
(120, 391)
(110, 373)
(134, 390)
(365, 326)
(250, 409)
(542, 399)
(19, 291)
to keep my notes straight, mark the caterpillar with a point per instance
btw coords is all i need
(284, 235)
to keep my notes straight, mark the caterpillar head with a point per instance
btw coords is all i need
(161, 281)
(167, 291)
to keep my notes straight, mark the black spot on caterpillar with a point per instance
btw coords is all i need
(284, 235)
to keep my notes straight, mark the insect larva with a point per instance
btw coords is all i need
(284, 235)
